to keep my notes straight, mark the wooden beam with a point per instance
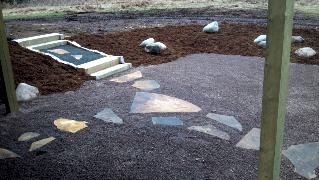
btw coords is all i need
(7, 80)
(276, 73)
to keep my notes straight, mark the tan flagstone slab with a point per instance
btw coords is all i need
(305, 158)
(59, 51)
(227, 120)
(211, 130)
(27, 136)
(128, 77)
(40, 143)
(4, 153)
(251, 140)
(70, 125)
(78, 57)
(146, 85)
(151, 102)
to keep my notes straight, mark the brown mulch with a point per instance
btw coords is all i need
(49, 76)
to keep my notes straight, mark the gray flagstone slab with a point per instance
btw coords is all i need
(251, 140)
(4, 153)
(173, 121)
(108, 115)
(211, 130)
(227, 120)
(27, 136)
(305, 158)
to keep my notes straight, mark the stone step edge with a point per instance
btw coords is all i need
(110, 71)
(29, 41)
(99, 64)
(48, 45)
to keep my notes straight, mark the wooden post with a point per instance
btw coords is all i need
(7, 80)
(276, 73)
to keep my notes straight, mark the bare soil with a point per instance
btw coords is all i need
(121, 33)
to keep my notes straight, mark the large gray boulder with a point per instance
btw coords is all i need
(297, 39)
(262, 44)
(155, 48)
(305, 52)
(26, 92)
(260, 38)
(212, 27)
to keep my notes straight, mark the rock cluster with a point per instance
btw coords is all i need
(153, 47)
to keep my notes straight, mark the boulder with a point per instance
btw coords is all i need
(260, 38)
(262, 44)
(212, 27)
(147, 42)
(26, 92)
(297, 39)
(155, 48)
(305, 52)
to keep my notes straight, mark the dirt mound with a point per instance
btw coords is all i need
(49, 76)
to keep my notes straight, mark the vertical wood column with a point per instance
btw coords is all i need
(276, 73)
(7, 80)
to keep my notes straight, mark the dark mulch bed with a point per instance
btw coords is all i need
(50, 76)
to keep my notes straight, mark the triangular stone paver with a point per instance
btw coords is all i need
(108, 115)
(173, 121)
(128, 77)
(4, 153)
(146, 85)
(251, 140)
(211, 130)
(305, 158)
(40, 143)
(27, 136)
(70, 125)
(227, 120)
(78, 57)
(151, 102)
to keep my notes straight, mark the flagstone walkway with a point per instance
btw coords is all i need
(214, 118)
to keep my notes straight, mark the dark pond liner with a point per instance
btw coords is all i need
(87, 55)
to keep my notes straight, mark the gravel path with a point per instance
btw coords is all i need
(137, 149)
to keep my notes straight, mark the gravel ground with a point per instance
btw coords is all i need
(137, 149)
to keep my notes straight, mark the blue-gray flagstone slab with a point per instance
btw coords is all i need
(305, 158)
(145, 102)
(146, 85)
(251, 140)
(227, 120)
(211, 130)
(173, 121)
(108, 115)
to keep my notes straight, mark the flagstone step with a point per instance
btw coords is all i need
(48, 45)
(111, 70)
(100, 64)
(24, 42)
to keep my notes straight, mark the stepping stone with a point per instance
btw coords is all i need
(108, 115)
(40, 143)
(70, 125)
(173, 121)
(305, 158)
(4, 153)
(251, 140)
(227, 120)
(77, 56)
(211, 130)
(146, 85)
(59, 51)
(27, 136)
(151, 102)
(128, 77)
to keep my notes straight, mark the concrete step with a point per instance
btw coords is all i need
(24, 42)
(99, 64)
(48, 45)
(111, 70)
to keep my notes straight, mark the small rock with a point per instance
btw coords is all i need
(305, 52)
(26, 92)
(155, 48)
(297, 39)
(147, 42)
(261, 38)
(262, 44)
(212, 27)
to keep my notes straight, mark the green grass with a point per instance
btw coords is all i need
(36, 15)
